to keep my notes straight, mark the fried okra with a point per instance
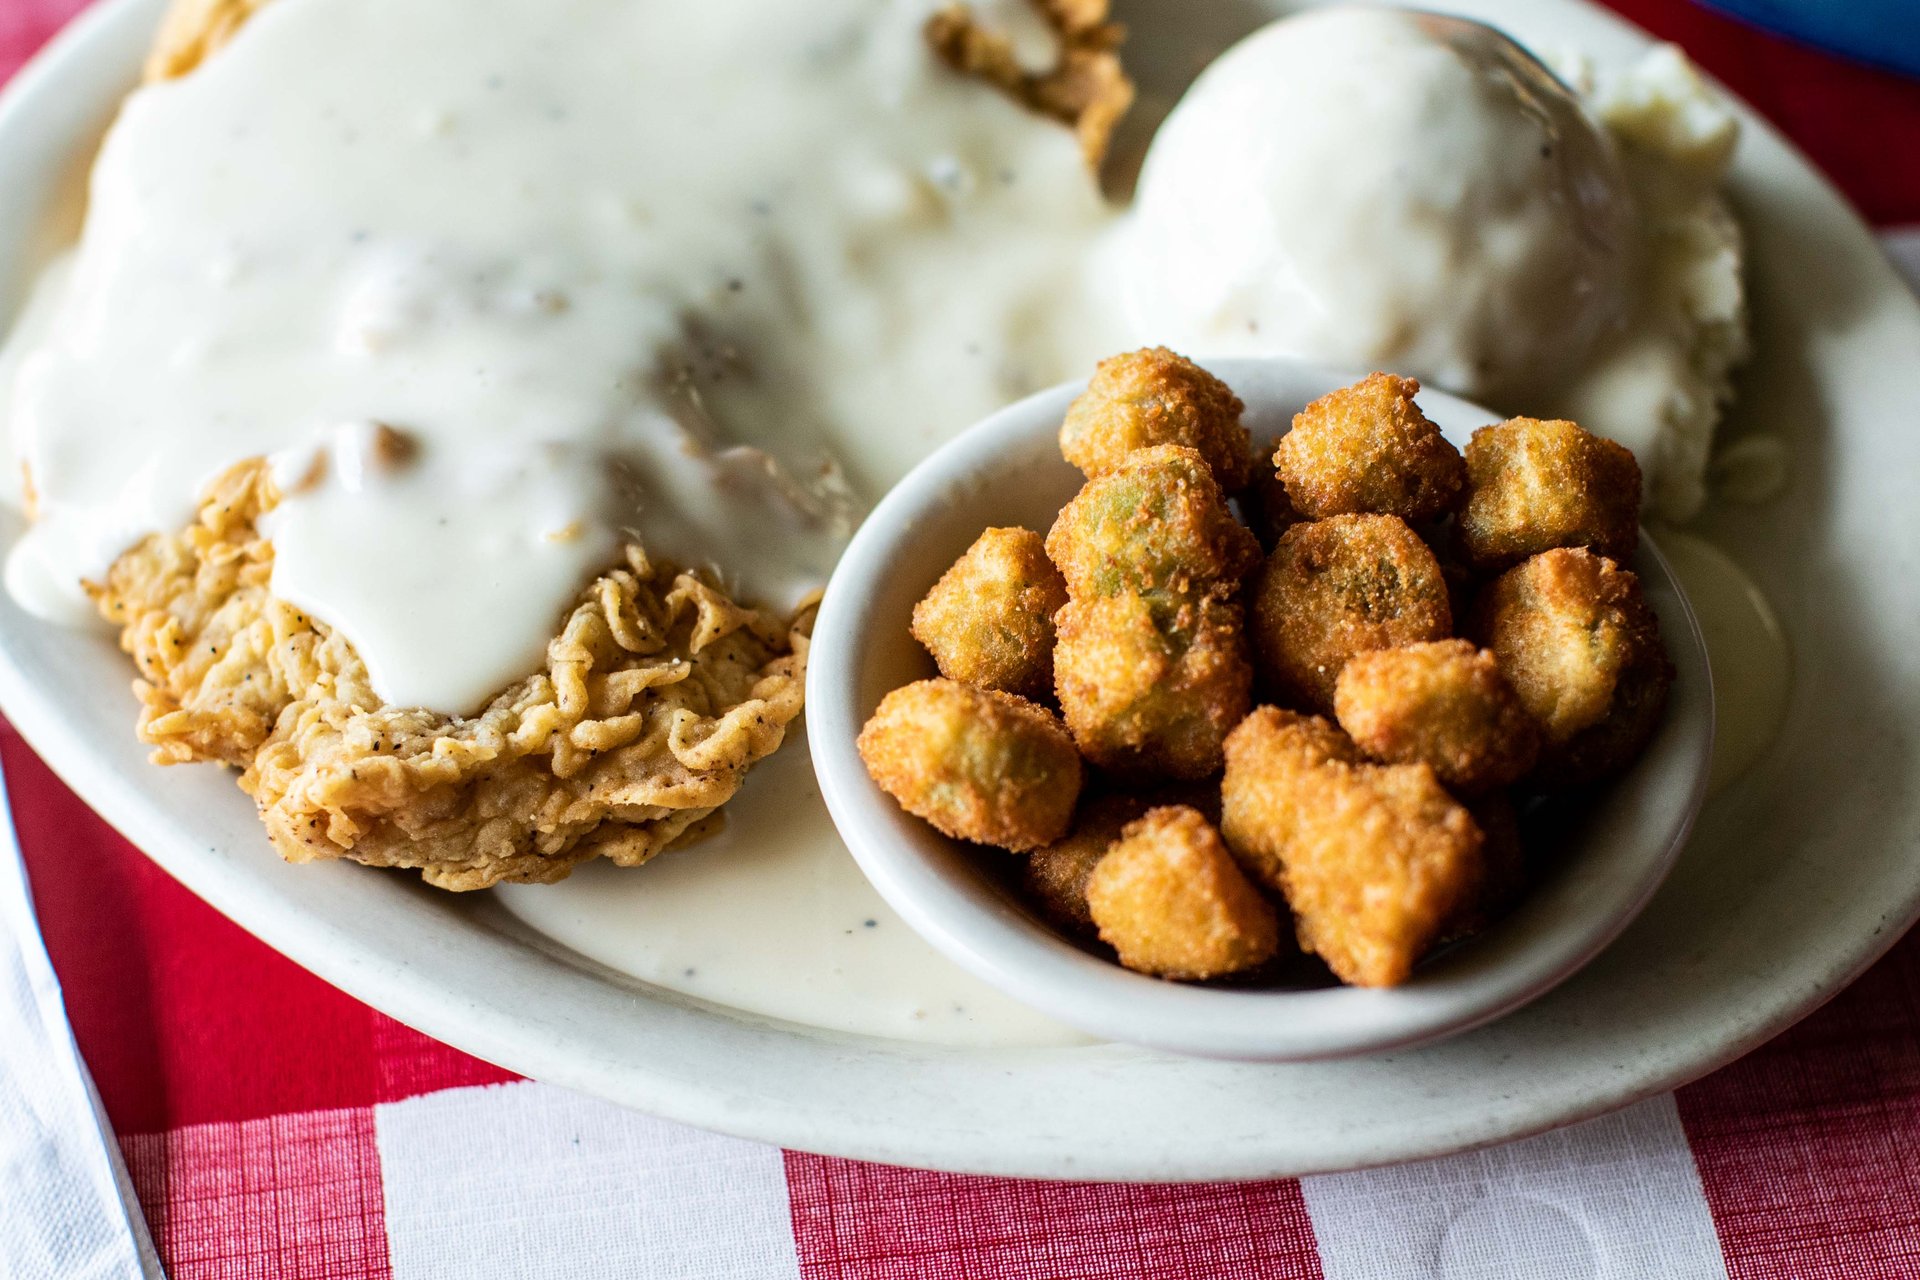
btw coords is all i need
(1375, 861)
(989, 620)
(1272, 757)
(1535, 485)
(1055, 877)
(1151, 685)
(977, 764)
(1443, 704)
(1575, 637)
(1172, 902)
(1504, 867)
(1367, 449)
(1269, 511)
(1157, 522)
(1154, 397)
(1336, 587)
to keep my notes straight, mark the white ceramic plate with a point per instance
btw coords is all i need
(1798, 876)
(1008, 471)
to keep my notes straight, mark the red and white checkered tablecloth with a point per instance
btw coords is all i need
(275, 1127)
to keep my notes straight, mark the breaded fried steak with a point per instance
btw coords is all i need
(658, 693)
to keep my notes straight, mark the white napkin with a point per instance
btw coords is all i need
(66, 1206)
(1903, 246)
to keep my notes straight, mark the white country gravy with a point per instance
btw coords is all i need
(589, 268)
(772, 916)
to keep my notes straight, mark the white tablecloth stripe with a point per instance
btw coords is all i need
(1612, 1199)
(528, 1180)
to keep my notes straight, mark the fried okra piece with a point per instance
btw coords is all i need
(1272, 757)
(1336, 587)
(1375, 861)
(1576, 639)
(1367, 449)
(989, 620)
(1151, 685)
(1172, 902)
(1269, 511)
(1154, 397)
(977, 764)
(1055, 877)
(1462, 582)
(1535, 485)
(1156, 522)
(1504, 867)
(1443, 704)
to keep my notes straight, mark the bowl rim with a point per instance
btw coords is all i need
(982, 928)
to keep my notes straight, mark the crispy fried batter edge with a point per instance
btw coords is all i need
(193, 31)
(658, 694)
(1086, 87)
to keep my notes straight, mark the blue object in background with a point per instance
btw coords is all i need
(1883, 32)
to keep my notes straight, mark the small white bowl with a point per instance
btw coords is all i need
(1007, 470)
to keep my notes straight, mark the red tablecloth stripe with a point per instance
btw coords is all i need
(1814, 1138)
(1859, 124)
(183, 1018)
(262, 1199)
(855, 1221)
(25, 26)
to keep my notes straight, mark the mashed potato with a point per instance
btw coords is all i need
(1661, 386)
(1355, 187)
(1380, 189)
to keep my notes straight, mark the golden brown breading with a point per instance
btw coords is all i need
(1375, 861)
(1150, 397)
(989, 620)
(1269, 511)
(1575, 637)
(657, 696)
(1277, 753)
(1611, 746)
(1086, 87)
(1150, 685)
(1367, 449)
(1171, 901)
(1463, 584)
(1055, 877)
(1157, 522)
(1444, 704)
(1533, 486)
(978, 764)
(192, 31)
(1503, 871)
(1340, 586)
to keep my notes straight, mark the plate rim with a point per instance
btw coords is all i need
(414, 998)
